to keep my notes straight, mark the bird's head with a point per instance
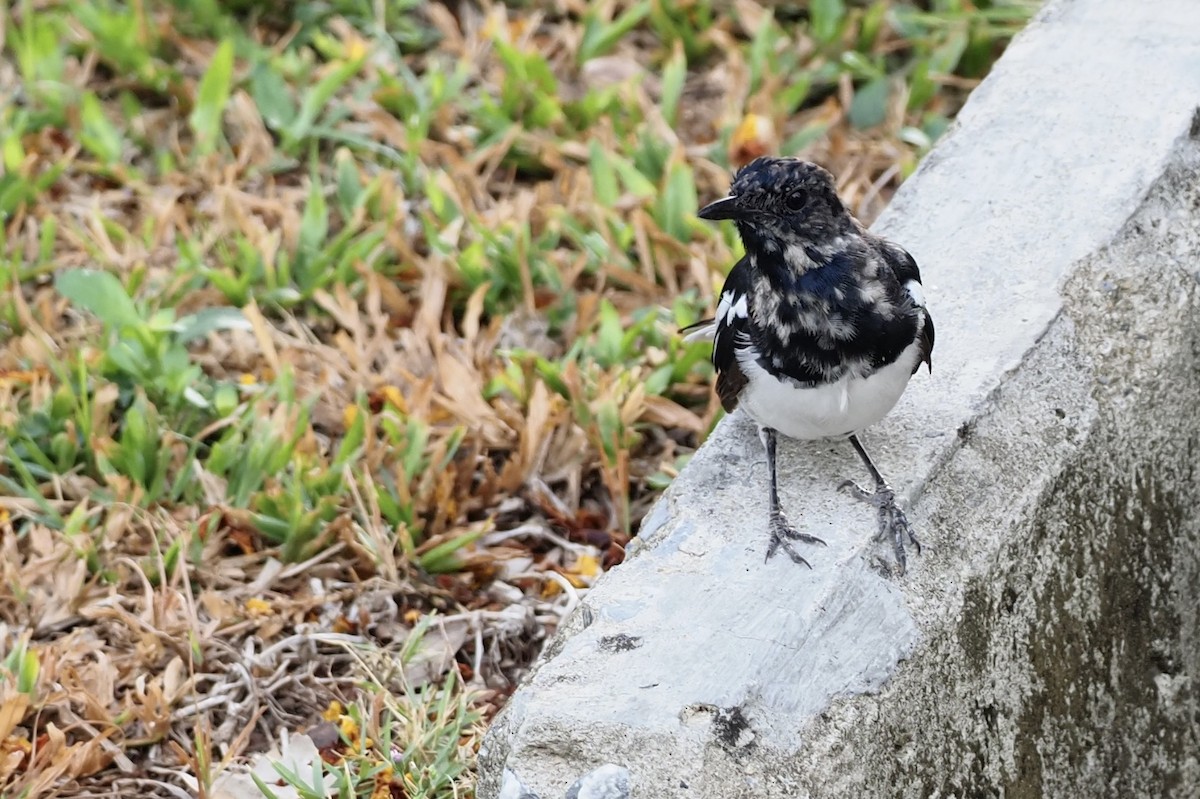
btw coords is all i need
(781, 204)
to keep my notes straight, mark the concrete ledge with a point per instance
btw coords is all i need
(1048, 641)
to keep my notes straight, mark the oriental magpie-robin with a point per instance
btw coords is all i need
(818, 328)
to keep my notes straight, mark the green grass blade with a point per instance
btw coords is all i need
(211, 98)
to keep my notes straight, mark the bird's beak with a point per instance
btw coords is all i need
(724, 208)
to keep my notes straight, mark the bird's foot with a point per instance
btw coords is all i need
(893, 524)
(782, 536)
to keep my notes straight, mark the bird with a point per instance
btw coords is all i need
(818, 328)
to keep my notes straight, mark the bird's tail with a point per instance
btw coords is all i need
(704, 330)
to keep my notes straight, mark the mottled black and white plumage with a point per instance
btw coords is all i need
(818, 328)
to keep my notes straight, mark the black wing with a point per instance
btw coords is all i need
(732, 334)
(904, 266)
(926, 344)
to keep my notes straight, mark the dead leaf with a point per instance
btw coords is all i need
(12, 711)
(665, 413)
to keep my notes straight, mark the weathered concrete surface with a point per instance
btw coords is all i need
(1048, 641)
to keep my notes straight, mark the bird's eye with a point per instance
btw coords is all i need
(796, 202)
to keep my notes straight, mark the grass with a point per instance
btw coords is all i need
(339, 348)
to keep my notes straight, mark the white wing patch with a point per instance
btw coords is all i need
(724, 304)
(916, 292)
(738, 310)
(727, 311)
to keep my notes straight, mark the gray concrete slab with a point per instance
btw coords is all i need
(1047, 643)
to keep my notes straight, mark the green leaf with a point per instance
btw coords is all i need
(600, 36)
(934, 126)
(209, 320)
(658, 381)
(23, 663)
(825, 19)
(921, 88)
(674, 75)
(272, 96)
(348, 450)
(442, 559)
(99, 293)
(869, 107)
(314, 224)
(608, 424)
(944, 60)
(632, 179)
(803, 138)
(28, 674)
(99, 135)
(790, 98)
(349, 184)
(608, 335)
(678, 202)
(871, 25)
(211, 98)
(12, 153)
(604, 177)
(761, 46)
(317, 98)
(861, 67)
(225, 399)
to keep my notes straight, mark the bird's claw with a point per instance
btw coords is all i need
(782, 536)
(893, 524)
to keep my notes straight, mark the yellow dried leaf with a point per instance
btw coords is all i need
(17, 376)
(217, 606)
(88, 758)
(333, 712)
(17, 743)
(11, 713)
(392, 396)
(634, 404)
(56, 743)
(349, 728)
(256, 606)
(355, 48)
(12, 753)
(383, 784)
(584, 570)
(753, 137)
(262, 334)
(474, 311)
(588, 565)
(537, 427)
(489, 27)
(462, 388)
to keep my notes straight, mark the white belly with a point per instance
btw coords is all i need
(831, 410)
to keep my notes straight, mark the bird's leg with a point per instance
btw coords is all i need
(893, 523)
(782, 533)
